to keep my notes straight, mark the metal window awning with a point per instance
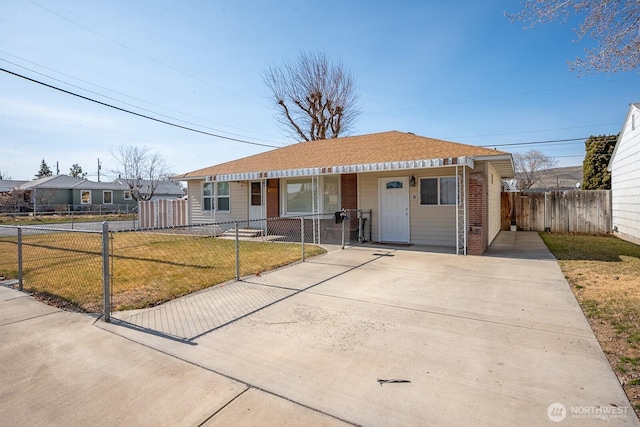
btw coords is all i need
(358, 168)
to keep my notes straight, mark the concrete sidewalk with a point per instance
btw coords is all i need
(364, 336)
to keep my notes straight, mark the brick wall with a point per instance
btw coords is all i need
(273, 198)
(478, 221)
(349, 197)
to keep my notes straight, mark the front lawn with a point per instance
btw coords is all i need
(604, 274)
(147, 268)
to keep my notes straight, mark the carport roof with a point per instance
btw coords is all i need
(399, 150)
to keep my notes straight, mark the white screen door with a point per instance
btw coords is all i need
(394, 209)
(256, 210)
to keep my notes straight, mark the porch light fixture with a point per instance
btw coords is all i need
(412, 181)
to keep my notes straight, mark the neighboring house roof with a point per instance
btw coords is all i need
(632, 107)
(164, 188)
(61, 182)
(355, 154)
(91, 185)
(7, 185)
(66, 182)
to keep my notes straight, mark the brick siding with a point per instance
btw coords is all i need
(478, 220)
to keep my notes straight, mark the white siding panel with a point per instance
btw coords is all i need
(429, 225)
(625, 181)
(494, 184)
(239, 208)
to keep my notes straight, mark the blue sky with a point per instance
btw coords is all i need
(458, 71)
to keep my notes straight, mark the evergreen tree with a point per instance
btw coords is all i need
(76, 171)
(44, 170)
(598, 153)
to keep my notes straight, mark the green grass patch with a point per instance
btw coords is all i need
(61, 218)
(573, 247)
(147, 268)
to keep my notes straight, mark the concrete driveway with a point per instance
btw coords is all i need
(382, 336)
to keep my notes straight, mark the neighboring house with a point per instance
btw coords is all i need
(625, 178)
(6, 185)
(409, 183)
(63, 192)
(165, 189)
(12, 200)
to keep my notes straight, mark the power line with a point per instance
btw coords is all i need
(508, 95)
(124, 94)
(111, 98)
(534, 142)
(134, 113)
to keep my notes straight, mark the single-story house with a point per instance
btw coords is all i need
(64, 192)
(164, 190)
(625, 178)
(419, 190)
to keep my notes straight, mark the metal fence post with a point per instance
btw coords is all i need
(237, 252)
(106, 283)
(19, 258)
(302, 236)
(344, 219)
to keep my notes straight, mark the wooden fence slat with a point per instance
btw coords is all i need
(572, 211)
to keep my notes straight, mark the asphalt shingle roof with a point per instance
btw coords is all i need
(393, 146)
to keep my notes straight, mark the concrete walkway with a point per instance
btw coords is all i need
(364, 336)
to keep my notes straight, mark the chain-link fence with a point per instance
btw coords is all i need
(145, 268)
(62, 267)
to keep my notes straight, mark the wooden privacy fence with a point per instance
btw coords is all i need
(162, 213)
(572, 211)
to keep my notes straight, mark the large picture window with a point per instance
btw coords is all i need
(298, 194)
(438, 191)
(216, 196)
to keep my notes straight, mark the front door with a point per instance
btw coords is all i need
(393, 202)
(256, 210)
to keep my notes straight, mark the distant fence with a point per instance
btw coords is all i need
(162, 213)
(572, 211)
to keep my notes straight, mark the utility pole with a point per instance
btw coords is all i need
(99, 167)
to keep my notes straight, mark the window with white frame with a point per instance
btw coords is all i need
(297, 195)
(107, 197)
(222, 197)
(216, 196)
(85, 197)
(127, 195)
(438, 191)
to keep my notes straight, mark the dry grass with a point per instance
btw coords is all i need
(604, 274)
(147, 268)
(28, 219)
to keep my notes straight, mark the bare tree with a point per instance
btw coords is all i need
(613, 24)
(140, 169)
(315, 98)
(530, 167)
